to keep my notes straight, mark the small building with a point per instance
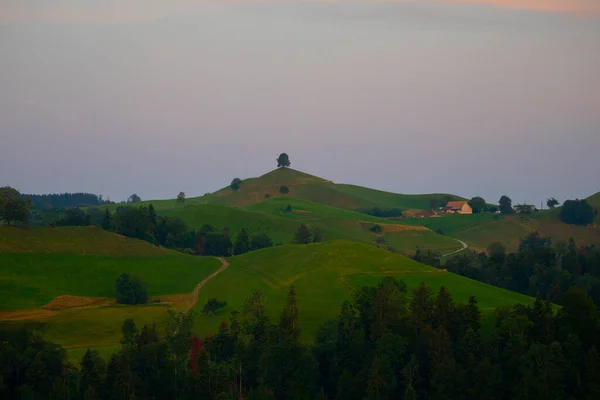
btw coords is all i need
(458, 207)
(426, 214)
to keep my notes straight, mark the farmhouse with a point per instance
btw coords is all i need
(458, 207)
(427, 214)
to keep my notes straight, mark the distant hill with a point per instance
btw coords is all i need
(319, 190)
(324, 275)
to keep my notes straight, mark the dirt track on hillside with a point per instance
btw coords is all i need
(224, 266)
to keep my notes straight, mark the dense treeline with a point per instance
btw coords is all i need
(381, 212)
(538, 267)
(65, 200)
(385, 344)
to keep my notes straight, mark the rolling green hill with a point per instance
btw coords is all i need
(36, 265)
(319, 190)
(324, 275)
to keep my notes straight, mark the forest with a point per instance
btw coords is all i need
(539, 266)
(385, 344)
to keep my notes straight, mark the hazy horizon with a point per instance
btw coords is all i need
(469, 97)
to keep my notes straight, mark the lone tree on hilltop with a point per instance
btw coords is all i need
(181, 198)
(552, 202)
(235, 183)
(283, 161)
(134, 198)
(505, 204)
(12, 206)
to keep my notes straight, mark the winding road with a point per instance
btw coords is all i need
(224, 266)
(459, 250)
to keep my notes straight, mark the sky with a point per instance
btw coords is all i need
(470, 97)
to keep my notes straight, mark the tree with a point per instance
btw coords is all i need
(181, 198)
(242, 243)
(317, 238)
(283, 161)
(552, 202)
(505, 204)
(261, 241)
(235, 183)
(577, 212)
(134, 198)
(212, 306)
(130, 290)
(92, 372)
(289, 318)
(477, 204)
(284, 189)
(302, 235)
(107, 220)
(497, 252)
(13, 208)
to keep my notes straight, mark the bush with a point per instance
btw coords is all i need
(288, 208)
(212, 306)
(376, 228)
(267, 195)
(131, 290)
(577, 212)
(284, 189)
(236, 183)
(440, 232)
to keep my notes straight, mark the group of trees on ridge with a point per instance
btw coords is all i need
(538, 267)
(384, 344)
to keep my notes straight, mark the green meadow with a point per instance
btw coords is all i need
(324, 275)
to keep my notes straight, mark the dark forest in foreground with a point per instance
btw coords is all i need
(385, 344)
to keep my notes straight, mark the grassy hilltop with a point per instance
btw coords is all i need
(333, 208)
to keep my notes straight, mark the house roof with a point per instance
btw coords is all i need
(426, 213)
(455, 205)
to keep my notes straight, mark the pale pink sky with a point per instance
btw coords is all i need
(149, 96)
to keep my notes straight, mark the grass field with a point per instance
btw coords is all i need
(325, 275)
(33, 280)
(39, 264)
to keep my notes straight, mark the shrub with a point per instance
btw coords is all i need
(376, 228)
(284, 189)
(440, 232)
(267, 195)
(212, 306)
(577, 212)
(131, 290)
(236, 183)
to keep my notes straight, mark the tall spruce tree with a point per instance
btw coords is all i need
(242, 243)
(289, 318)
(107, 220)
(302, 235)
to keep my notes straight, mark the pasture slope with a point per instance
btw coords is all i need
(332, 207)
(62, 281)
(324, 275)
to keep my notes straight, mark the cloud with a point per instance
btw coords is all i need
(119, 11)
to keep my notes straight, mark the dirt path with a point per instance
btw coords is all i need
(459, 250)
(208, 278)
